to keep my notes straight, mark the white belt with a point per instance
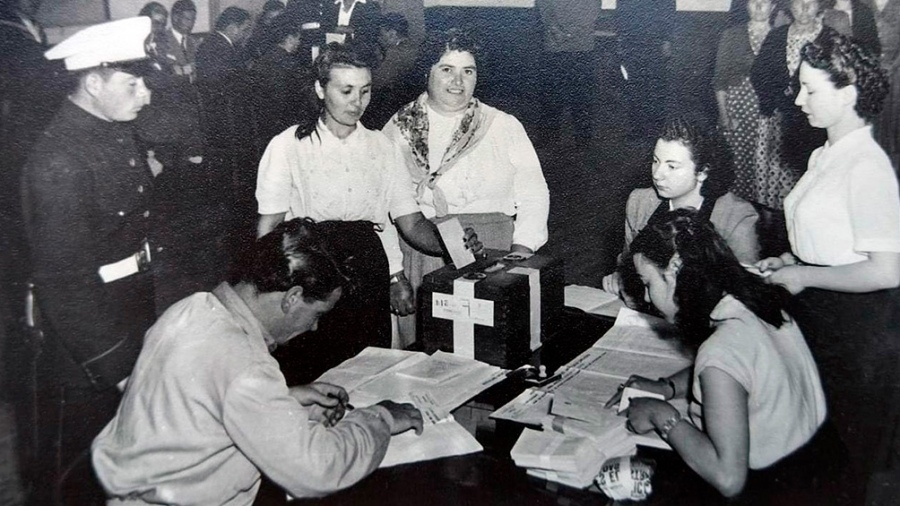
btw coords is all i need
(137, 262)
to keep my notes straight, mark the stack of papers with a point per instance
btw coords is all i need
(593, 300)
(574, 461)
(435, 384)
(573, 406)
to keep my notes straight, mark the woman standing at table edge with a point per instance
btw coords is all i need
(467, 160)
(351, 180)
(843, 221)
(757, 407)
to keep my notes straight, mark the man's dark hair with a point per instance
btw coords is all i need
(293, 254)
(183, 6)
(230, 17)
(152, 7)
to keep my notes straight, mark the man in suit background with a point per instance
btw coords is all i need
(180, 46)
(225, 109)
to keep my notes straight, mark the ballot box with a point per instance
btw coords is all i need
(497, 310)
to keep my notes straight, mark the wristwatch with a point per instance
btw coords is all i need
(668, 425)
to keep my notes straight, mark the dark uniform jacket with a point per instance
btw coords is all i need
(86, 201)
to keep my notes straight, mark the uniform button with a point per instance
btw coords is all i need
(146, 214)
(132, 162)
(121, 213)
(159, 249)
(140, 188)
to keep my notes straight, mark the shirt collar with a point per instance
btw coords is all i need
(328, 138)
(339, 2)
(248, 322)
(845, 143)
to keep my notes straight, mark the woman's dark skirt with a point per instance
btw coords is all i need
(361, 317)
(855, 339)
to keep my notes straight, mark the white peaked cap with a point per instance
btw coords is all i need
(107, 43)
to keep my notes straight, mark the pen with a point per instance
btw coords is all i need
(347, 406)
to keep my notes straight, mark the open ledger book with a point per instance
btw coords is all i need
(573, 406)
(436, 384)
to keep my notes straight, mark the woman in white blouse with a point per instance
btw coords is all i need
(352, 181)
(843, 220)
(468, 160)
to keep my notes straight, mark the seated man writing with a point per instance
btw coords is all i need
(207, 410)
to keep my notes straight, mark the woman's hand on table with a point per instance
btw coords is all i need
(659, 386)
(327, 403)
(646, 414)
(402, 301)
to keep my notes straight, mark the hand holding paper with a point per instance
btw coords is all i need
(453, 236)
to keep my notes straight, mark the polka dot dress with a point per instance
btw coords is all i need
(743, 106)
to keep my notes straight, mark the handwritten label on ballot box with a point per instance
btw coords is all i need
(463, 309)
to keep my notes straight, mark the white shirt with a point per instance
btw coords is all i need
(344, 16)
(359, 178)
(846, 204)
(785, 403)
(501, 174)
(440, 133)
(207, 410)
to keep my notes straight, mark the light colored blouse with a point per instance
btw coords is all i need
(359, 178)
(501, 174)
(785, 400)
(846, 204)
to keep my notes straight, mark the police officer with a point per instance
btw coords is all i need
(86, 201)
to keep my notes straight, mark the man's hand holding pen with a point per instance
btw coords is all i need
(327, 403)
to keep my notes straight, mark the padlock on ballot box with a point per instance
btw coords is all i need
(498, 310)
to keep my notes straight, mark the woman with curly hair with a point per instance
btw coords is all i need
(756, 403)
(691, 169)
(843, 221)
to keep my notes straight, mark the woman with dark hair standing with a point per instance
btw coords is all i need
(691, 169)
(756, 402)
(467, 159)
(843, 221)
(352, 181)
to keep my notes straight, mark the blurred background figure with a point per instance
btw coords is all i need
(785, 137)
(645, 42)
(737, 102)
(225, 110)
(181, 46)
(887, 126)
(393, 79)
(281, 84)
(159, 17)
(568, 67)
(853, 18)
(262, 38)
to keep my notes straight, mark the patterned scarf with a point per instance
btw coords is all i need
(412, 121)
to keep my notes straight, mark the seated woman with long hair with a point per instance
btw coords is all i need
(755, 396)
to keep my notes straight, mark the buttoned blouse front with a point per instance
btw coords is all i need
(846, 204)
(359, 178)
